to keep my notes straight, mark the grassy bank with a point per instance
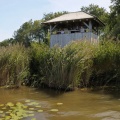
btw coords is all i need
(80, 64)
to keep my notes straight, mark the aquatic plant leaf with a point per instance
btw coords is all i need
(40, 110)
(31, 115)
(7, 117)
(25, 115)
(10, 104)
(3, 115)
(11, 114)
(54, 110)
(33, 119)
(4, 108)
(12, 107)
(25, 106)
(59, 103)
(27, 101)
(30, 111)
(1, 112)
(18, 103)
(31, 108)
(34, 103)
(8, 112)
(38, 106)
(1, 105)
(2, 118)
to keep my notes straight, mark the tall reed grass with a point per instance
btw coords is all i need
(78, 64)
(14, 64)
(106, 65)
(62, 68)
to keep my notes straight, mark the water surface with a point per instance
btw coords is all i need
(77, 105)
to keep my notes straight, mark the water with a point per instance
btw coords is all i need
(77, 105)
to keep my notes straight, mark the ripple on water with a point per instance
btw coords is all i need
(69, 113)
(109, 115)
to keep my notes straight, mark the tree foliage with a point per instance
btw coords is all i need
(7, 42)
(99, 12)
(35, 30)
(114, 21)
(28, 32)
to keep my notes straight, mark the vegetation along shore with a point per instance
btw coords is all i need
(80, 64)
(27, 58)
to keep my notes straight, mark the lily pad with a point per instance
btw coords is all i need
(59, 103)
(1, 112)
(18, 103)
(13, 107)
(34, 103)
(4, 108)
(54, 110)
(27, 101)
(3, 115)
(31, 115)
(1, 105)
(40, 110)
(10, 104)
(33, 119)
(38, 106)
(7, 117)
(8, 112)
(25, 106)
(30, 111)
(31, 108)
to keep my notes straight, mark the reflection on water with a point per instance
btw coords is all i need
(77, 105)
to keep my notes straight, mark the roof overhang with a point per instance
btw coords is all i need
(74, 16)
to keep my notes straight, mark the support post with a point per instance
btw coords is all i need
(90, 26)
(50, 29)
(90, 29)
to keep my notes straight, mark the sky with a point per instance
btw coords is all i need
(13, 13)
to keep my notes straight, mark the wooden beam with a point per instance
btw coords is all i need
(86, 25)
(53, 27)
(50, 29)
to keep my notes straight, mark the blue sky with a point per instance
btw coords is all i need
(13, 13)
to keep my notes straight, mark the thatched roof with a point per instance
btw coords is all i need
(73, 16)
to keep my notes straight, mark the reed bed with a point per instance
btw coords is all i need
(62, 68)
(79, 64)
(14, 64)
(106, 65)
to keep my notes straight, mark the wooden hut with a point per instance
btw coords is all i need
(74, 26)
